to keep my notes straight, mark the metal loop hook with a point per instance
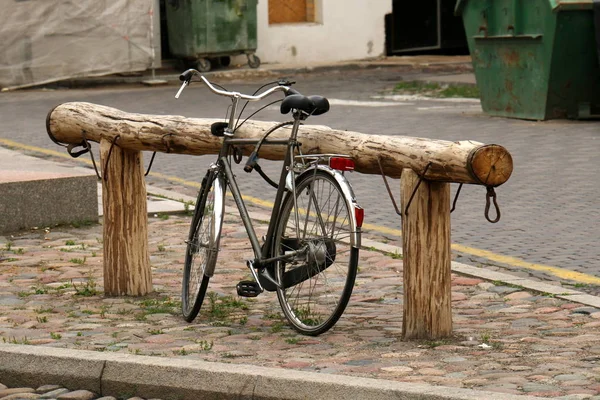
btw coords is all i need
(491, 193)
(88, 148)
(421, 177)
(150, 165)
(456, 198)
(387, 186)
(109, 154)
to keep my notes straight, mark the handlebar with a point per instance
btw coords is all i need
(186, 77)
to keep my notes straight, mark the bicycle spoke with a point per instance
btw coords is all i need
(324, 283)
(201, 248)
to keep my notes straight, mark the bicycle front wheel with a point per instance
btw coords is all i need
(318, 281)
(202, 244)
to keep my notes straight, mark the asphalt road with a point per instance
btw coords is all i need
(549, 206)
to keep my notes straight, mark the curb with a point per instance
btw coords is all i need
(121, 375)
(170, 75)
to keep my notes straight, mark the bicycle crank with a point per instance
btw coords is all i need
(250, 288)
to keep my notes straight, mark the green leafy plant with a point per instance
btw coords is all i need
(103, 309)
(88, 288)
(186, 207)
(433, 89)
(79, 261)
(14, 340)
(205, 345)
(277, 327)
(182, 352)
(223, 307)
(162, 305)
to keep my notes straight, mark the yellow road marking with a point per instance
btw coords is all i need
(36, 149)
(508, 260)
(515, 262)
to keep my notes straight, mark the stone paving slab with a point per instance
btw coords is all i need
(507, 339)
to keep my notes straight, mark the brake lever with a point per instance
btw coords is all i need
(285, 82)
(183, 85)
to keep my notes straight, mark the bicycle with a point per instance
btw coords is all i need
(309, 256)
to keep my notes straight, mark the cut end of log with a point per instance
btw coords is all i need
(491, 164)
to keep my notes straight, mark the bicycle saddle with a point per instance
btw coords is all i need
(312, 105)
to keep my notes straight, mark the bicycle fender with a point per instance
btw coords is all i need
(348, 194)
(217, 223)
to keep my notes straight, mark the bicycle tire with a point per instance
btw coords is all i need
(202, 245)
(324, 277)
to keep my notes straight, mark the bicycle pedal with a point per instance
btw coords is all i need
(248, 289)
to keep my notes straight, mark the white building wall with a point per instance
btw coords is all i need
(347, 30)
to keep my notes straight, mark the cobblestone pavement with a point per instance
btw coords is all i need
(506, 339)
(549, 213)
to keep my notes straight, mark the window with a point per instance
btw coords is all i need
(291, 11)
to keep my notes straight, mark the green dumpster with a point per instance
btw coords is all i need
(201, 32)
(534, 59)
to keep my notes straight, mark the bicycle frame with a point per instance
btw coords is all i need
(223, 166)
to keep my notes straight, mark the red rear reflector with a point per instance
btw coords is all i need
(359, 213)
(341, 164)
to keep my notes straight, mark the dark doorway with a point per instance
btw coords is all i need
(425, 26)
(164, 34)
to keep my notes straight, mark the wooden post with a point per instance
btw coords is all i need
(426, 258)
(126, 259)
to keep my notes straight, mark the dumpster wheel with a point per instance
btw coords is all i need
(253, 61)
(203, 65)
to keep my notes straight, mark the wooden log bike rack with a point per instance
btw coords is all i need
(426, 168)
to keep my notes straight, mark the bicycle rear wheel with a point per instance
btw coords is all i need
(317, 284)
(203, 244)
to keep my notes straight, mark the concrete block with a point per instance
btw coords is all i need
(33, 366)
(36, 192)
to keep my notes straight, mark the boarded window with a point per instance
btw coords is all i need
(291, 11)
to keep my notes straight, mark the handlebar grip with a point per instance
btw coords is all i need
(187, 75)
(291, 91)
(252, 160)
